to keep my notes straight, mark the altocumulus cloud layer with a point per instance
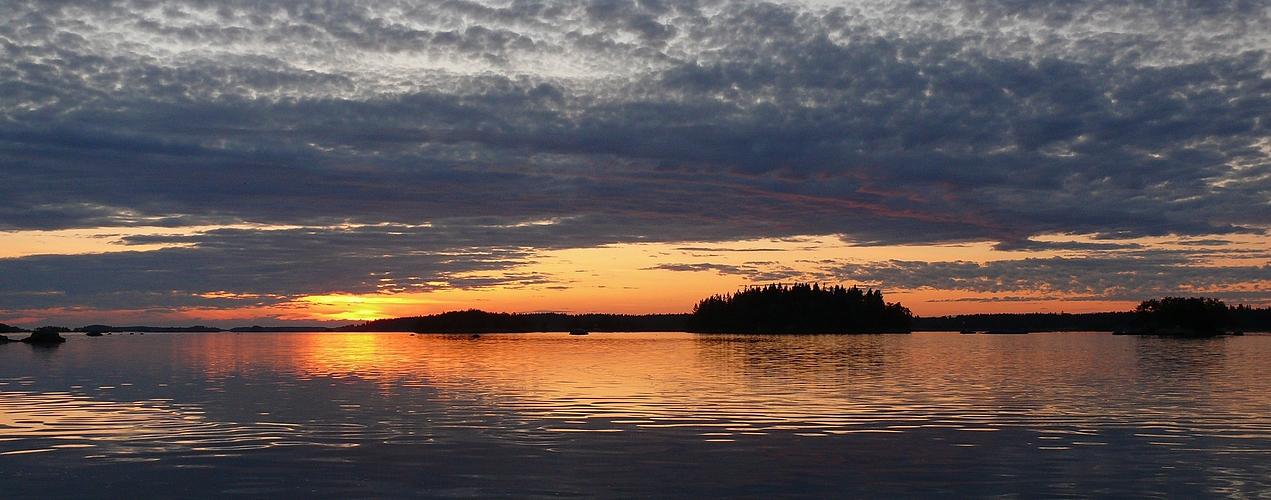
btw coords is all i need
(427, 139)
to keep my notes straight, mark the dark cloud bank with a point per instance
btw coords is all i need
(420, 140)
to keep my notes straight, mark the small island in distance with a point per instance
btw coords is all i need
(798, 308)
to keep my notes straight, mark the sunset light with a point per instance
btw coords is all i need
(671, 249)
(324, 167)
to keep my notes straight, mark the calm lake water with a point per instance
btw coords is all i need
(654, 415)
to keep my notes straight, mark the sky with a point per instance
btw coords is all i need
(177, 162)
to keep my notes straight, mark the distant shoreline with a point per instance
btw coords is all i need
(476, 321)
(1027, 322)
(560, 322)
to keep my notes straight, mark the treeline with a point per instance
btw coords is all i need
(1028, 322)
(1195, 314)
(477, 321)
(800, 308)
(148, 329)
(1251, 319)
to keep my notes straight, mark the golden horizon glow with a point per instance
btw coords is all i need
(623, 279)
(650, 278)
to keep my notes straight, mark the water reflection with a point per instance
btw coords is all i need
(1090, 404)
(1197, 357)
(728, 386)
(125, 432)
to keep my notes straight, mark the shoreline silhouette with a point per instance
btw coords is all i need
(785, 308)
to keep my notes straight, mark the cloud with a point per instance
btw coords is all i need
(259, 267)
(1082, 271)
(1128, 278)
(754, 271)
(923, 122)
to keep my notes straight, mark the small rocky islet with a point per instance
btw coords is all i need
(45, 335)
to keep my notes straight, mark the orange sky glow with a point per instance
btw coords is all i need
(630, 279)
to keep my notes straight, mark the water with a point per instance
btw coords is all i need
(666, 415)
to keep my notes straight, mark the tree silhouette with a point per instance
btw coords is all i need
(1186, 316)
(799, 308)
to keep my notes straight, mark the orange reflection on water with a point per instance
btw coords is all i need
(719, 387)
(534, 365)
(756, 384)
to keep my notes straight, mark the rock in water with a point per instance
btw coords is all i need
(44, 336)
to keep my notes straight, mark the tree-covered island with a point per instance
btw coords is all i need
(800, 308)
(1183, 317)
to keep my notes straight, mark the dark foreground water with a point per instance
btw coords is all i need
(635, 415)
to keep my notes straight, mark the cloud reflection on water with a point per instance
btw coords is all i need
(1087, 409)
(760, 384)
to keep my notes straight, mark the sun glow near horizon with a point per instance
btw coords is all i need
(671, 277)
(652, 278)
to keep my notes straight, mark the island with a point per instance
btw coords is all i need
(800, 308)
(46, 336)
(1182, 317)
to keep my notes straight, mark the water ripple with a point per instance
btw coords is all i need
(1071, 400)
